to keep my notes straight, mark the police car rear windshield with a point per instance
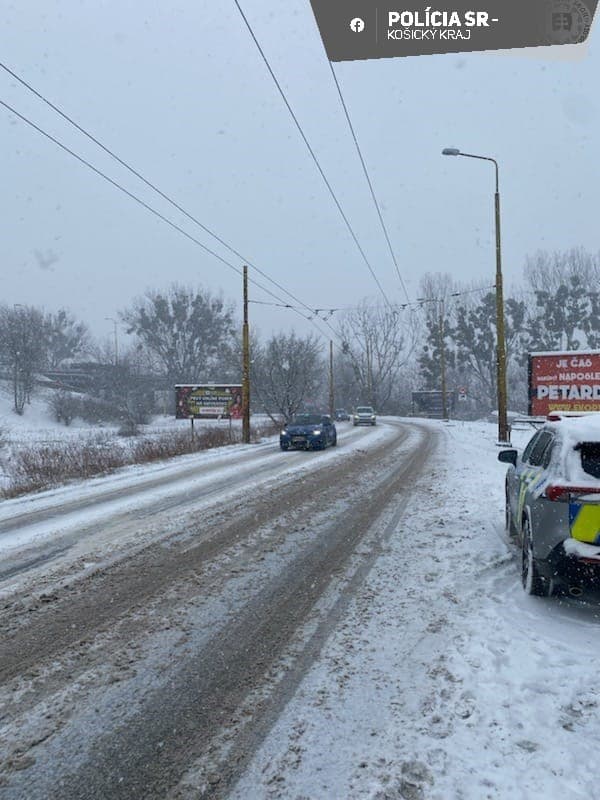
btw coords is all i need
(590, 458)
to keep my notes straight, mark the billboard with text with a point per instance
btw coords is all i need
(208, 401)
(564, 381)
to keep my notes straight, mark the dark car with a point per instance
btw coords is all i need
(553, 506)
(341, 415)
(308, 432)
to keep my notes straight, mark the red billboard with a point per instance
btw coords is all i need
(208, 401)
(564, 381)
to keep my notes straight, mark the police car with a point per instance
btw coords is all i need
(553, 505)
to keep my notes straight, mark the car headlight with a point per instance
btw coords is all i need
(284, 433)
(317, 432)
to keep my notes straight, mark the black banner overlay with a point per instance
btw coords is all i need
(363, 29)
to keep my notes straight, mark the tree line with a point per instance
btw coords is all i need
(382, 353)
(556, 308)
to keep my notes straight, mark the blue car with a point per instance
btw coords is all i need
(308, 432)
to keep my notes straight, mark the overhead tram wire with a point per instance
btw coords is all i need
(417, 304)
(313, 155)
(148, 183)
(149, 208)
(420, 303)
(368, 177)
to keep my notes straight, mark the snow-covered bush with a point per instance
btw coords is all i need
(63, 406)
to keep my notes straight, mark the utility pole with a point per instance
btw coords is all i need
(369, 373)
(114, 322)
(18, 328)
(503, 429)
(331, 394)
(246, 366)
(443, 361)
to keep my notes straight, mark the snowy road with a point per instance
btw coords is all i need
(343, 625)
(145, 660)
(139, 502)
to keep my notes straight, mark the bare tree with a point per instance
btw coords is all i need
(547, 272)
(378, 340)
(287, 374)
(22, 344)
(187, 330)
(65, 337)
(435, 286)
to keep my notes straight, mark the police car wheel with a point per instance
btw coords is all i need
(533, 583)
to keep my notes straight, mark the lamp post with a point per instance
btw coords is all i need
(503, 432)
(442, 346)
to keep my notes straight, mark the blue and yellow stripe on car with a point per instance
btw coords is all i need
(584, 519)
(525, 480)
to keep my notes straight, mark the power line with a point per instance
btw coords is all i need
(368, 177)
(423, 301)
(162, 194)
(315, 311)
(148, 183)
(419, 302)
(312, 153)
(144, 204)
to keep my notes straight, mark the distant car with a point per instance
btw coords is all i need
(364, 415)
(341, 415)
(553, 505)
(308, 432)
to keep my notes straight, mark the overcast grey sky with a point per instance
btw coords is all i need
(180, 91)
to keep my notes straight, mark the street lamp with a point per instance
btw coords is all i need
(503, 432)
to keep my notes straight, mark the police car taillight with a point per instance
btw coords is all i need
(557, 416)
(555, 492)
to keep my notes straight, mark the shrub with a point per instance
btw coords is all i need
(35, 467)
(63, 405)
(128, 427)
(97, 411)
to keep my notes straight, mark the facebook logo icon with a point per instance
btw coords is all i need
(357, 25)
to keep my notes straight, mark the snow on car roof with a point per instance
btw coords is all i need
(571, 431)
(579, 428)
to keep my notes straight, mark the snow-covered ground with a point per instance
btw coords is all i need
(445, 681)
(36, 422)
(37, 427)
